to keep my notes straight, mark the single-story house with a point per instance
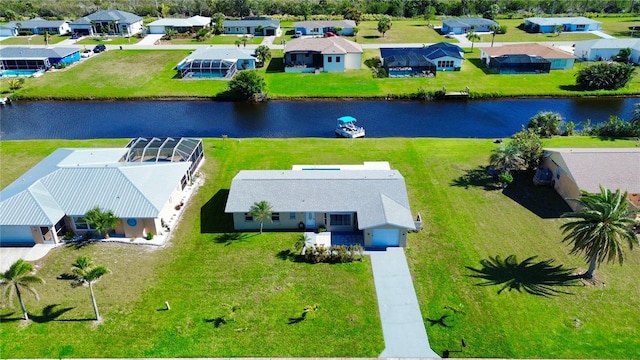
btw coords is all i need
(443, 56)
(464, 25)
(194, 23)
(329, 54)
(320, 27)
(26, 58)
(111, 22)
(576, 169)
(210, 62)
(605, 49)
(38, 26)
(368, 198)
(559, 59)
(258, 26)
(9, 29)
(141, 183)
(519, 64)
(548, 25)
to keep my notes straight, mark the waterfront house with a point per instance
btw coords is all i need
(27, 58)
(210, 62)
(422, 61)
(141, 183)
(328, 54)
(321, 27)
(575, 169)
(192, 24)
(258, 26)
(465, 25)
(110, 22)
(369, 199)
(606, 49)
(559, 59)
(568, 24)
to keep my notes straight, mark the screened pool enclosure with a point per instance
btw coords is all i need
(208, 68)
(165, 149)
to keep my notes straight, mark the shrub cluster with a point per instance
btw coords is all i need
(334, 254)
(615, 127)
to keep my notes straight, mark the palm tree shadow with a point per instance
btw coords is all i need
(539, 278)
(49, 313)
(296, 320)
(79, 244)
(440, 321)
(233, 237)
(217, 322)
(10, 316)
(479, 177)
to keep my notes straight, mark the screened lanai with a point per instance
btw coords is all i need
(212, 63)
(165, 149)
(208, 68)
(410, 64)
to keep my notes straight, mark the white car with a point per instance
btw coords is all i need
(450, 35)
(87, 53)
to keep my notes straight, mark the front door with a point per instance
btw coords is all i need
(47, 235)
(310, 222)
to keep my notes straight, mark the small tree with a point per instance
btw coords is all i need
(384, 24)
(18, 277)
(46, 38)
(473, 37)
(101, 221)
(169, 33)
(507, 158)
(263, 54)
(218, 23)
(15, 83)
(624, 55)
(558, 29)
(261, 211)
(605, 76)
(352, 13)
(163, 10)
(86, 274)
(247, 85)
(530, 146)
(546, 123)
(203, 34)
(494, 29)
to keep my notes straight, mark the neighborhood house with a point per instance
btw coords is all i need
(551, 24)
(460, 26)
(141, 183)
(31, 60)
(370, 199)
(422, 61)
(35, 26)
(329, 54)
(607, 49)
(110, 22)
(321, 27)
(213, 62)
(193, 24)
(258, 26)
(558, 59)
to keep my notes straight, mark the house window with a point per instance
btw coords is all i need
(337, 59)
(330, 59)
(340, 219)
(81, 223)
(275, 216)
(294, 57)
(445, 64)
(248, 217)
(292, 216)
(315, 30)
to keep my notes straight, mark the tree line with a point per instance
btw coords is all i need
(67, 9)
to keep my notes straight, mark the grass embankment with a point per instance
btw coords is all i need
(465, 220)
(122, 74)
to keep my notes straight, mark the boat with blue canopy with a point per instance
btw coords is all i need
(347, 128)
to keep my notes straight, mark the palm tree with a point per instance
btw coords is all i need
(16, 278)
(263, 54)
(602, 225)
(46, 38)
(260, 211)
(101, 221)
(473, 37)
(494, 28)
(507, 158)
(86, 273)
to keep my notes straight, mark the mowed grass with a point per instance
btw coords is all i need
(33, 40)
(465, 220)
(151, 74)
(402, 31)
(216, 40)
(517, 35)
(619, 26)
(112, 40)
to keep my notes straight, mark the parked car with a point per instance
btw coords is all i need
(450, 35)
(329, 34)
(297, 34)
(87, 53)
(75, 36)
(99, 48)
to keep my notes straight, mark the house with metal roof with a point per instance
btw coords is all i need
(110, 22)
(370, 198)
(443, 56)
(328, 54)
(559, 59)
(141, 183)
(193, 24)
(258, 26)
(605, 49)
(38, 26)
(576, 169)
(37, 59)
(548, 25)
(217, 63)
(465, 25)
(320, 27)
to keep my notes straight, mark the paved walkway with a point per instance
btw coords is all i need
(9, 255)
(602, 34)
(402, 323)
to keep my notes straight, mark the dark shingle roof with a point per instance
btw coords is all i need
(109, 15)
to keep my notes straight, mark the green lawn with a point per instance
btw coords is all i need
(516, 35)
(33, 40)
(111, 40)
(619, 26)
(465, 220)
(217, 40)
(402, 31)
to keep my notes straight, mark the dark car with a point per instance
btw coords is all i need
(99, 48)
(75, 36)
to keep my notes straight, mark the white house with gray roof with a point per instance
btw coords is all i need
(36, 58)
(369, 198)
(194, 23)
(111, 22)
(547, 25)
(605, 49)
(329, 54)
(465, 25)
(320, 27)
(576, 169)
(253, 26)
(38, 26)
(141, 184)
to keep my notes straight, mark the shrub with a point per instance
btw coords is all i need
(68, 236)
(605, 76)
(149, 236)
(530, 146)
(247, 85)
(616, 127)
(87, 236)
(546, 123)
(505, 178)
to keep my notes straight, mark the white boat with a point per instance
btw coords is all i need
(5, 101)
(347, 128)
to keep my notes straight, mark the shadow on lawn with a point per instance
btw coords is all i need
(49, 313)
(233, 237)
(540, 200)
(536, 278)
(276, 65)
(478, 177)
(213, 219)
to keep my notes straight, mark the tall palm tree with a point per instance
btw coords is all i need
(507, 158)
(473, 37)
(600, 228)
(16, 278)
(494, 28)
(86, 273)
(260, 211)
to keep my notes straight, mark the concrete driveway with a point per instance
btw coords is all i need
(9, 255)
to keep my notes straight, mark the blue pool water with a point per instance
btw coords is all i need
(16, 73)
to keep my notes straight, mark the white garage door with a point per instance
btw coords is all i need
(386, 237)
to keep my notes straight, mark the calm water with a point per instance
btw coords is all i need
(283, 119)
